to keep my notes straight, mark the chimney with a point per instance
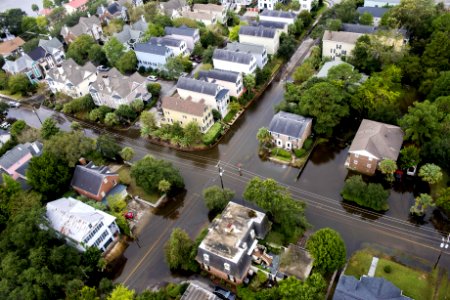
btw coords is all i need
(82, 161)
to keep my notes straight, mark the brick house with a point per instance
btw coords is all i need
(290, 131)
(373, 142)
(94, 181)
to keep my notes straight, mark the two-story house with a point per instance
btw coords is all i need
(235, 61)
(289, 131)
(259, 35)
(338, 43)
(190, 35)
(11, 47)
(173, 8)
(113, 89)
(178, 47)
(376, 12)
(219, 11)
(305, 5)
(381, 3)
(278, 16)
(185, 111)
(81, 225)
(71, 79)
(151, 56)
(74, 6)
(373, 142)
(358, 28)
(232, 81)
(206, 18)
(15, 162)
(113, 11)
(93, 181)
(267, 4)
(24, 65)
(130, 35)
(48, 54)
(213, 94)
(226, 251)
(55, 48)
(91, 26)
(258, 51)
(280, 26)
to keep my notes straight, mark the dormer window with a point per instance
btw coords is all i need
(206, 258)
(226, 266)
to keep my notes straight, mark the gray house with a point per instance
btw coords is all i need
(290, 131)
(226, 251)
(233, 81)
(368, 288)
(190, 35)
(258, 51)
(152, 56)
(235, 61)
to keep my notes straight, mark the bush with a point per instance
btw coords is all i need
(308, 144)
(299, 152)
(230, 115)
(387, 269)
(212, 134)
(282, 153)
(154, 89)
(371, 195)
(81, 104)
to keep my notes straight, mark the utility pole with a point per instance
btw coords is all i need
(35, 112)
(444, 245)
(221, 171)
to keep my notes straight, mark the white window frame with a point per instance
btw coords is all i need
(226, 266)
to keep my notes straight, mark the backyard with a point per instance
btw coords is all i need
(133, 189)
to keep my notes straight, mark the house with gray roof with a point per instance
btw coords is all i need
(197, 292)
(190, 35)
(373, 142)
(376, 12)
(93, 181)
(381, 3)
(113, 89)
(258, 51)
(367, 288)
(259, 35)
(358, 28)
(227, 249)
(218, 11)
(233, 81)
(213, 94)
(48, 54)
(113, 11)
(71, 79)
(278, 16)
(90, 25)
(336, 44)
(152, 56)
(15, 161)
(25, 65)
(54, 48)
(235, 61)
(129, 36)
(280, 26)
(178, 46)
(289, 131)
(173, 8)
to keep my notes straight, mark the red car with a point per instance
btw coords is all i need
(129, 215)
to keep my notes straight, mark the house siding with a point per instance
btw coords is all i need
(335, 50)
(361, 163)
(235, 67)
(271, 45)
(296, 143)
(205, 122)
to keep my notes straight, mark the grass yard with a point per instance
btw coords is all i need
(133, 189)
(444, 288)
(17, 96)
(417, 284)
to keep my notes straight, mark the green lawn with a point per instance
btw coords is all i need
(133, 189)
(417, 284)
(14, 96)
(444, 288)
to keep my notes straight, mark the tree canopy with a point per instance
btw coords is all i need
(371, 195)
(216, 199)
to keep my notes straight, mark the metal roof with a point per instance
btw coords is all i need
(271, 24)
(151, 48)
(165, 41)
(245, 47)
(358, 28)
(289, 124)
(233, 56)
(198, 86)
(258, 31)
(37, 53)
(182, 30)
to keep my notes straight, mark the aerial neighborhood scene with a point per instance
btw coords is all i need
(225, 149)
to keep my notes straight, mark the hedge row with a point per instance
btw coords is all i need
(213, 133)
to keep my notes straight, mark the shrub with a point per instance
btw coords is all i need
(308, 144)
(154, 89)
(282, 153)
(299, 152)
(387, 269)
(230, 115)
(212, 134)
(80, 104)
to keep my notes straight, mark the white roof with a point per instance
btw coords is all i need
(75, 219)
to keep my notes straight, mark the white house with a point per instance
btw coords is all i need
(305, 4)
(259, 35)
(213, 94)
(258, 51)
(152, 56)
(190, 35)
(178, 47)
(381, 3)
(219, 11)
(71, 79)
(232, 81)
(338, 43)
(81, 225)
(113, 89)
(235, 61)
(278, 16)
(206, 18)
(267, 4)
(280, 26)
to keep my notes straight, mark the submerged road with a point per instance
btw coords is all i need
(319, 186)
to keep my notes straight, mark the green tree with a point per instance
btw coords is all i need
(137, 105)
(234, 33)
(416, 16)
(19, 83)
(329, 111)
(208, 54)
(42, 23)
(3, 76)
(287, 47)
(249, 82)
(163, 186)
(69, 146)
(34, 7)
(443, 200)
(431, 173)
(334, 24)
(388, 167)
(362, 56)
(216, 199)
(343, 75)
(79, 49)
(111, 119)
(113, 50)
(75, 126)
(409, 156)
(154, 89)
(127, 63)
(441, 86)
(303, 72)
(97, 55)
(346, 11)
(88, 293)
(99, 114)
(369, 195)
(148, 172)
(47, 4)
(328, 250)
(107, 147)
(4, 107)
(366, 18)
(148, 123)
(178, 250)
(127, 153)
(125, 113)
(12, 19)
(116, 203)
(17, 127)
(175, 66)
(192, 133)
(120, 292)
(49, 128)
(264, 137)
(421, 204)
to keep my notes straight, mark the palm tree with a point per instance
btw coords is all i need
(431, 173)
(421, 204)
(164, 186)
(388, 167)
(127, 153)
(264, 137)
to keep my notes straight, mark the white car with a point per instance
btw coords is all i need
(152, 78)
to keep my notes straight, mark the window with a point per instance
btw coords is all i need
(226, 266)
(206, 257)
(355, 162)
(252, 233)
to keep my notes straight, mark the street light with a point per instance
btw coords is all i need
(444, 245)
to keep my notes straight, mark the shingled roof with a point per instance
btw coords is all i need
(151, 48)
(379, 139)
(245, 47)
(72, 72)
(198, 86)
(289, 124)
(12, 45)
(377, 12)
(278, 14)
(259, 31)
(233, 56)
(83, 26)
(341, 36)
(113, 82)
(37, 53)
(14, 155)
(184, 106)
(90, 177)
(270, 24)
(165, 41)
(358, 28)
(222, 75)
(182, 30)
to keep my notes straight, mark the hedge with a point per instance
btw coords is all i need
(281, 152)
(299, 152)
(212, 134)
(230, 115)
(308, 144)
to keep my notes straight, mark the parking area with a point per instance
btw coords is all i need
(167, 87)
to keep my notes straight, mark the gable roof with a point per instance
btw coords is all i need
(289, 124)
(259, 31)
(368, 288)
(10, 46)
(198, 86)
(379, 139)
(184, 106)
(76, 3)
(270, 24)
(376, 12)
(278, 14)
(208, 7)
(37, 53)
(18, 152)
(222, 75)
(71, 71)
(171, 5)
(83, 26)
(113, 82)
(50, 45)
(233, 56)
(199, 15)
(182, 30)
(127, 33)
(151, 49)
(196, 292)
(140, 25)
(19, 65)
(166, 41)
(245, 47)
(358, 28)
(341, 36)
(90, 177)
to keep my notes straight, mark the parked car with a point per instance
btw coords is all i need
(102, 68)
(13, 104)
(152, 78)
(223, 294)
(129, 215)
(5, 125)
